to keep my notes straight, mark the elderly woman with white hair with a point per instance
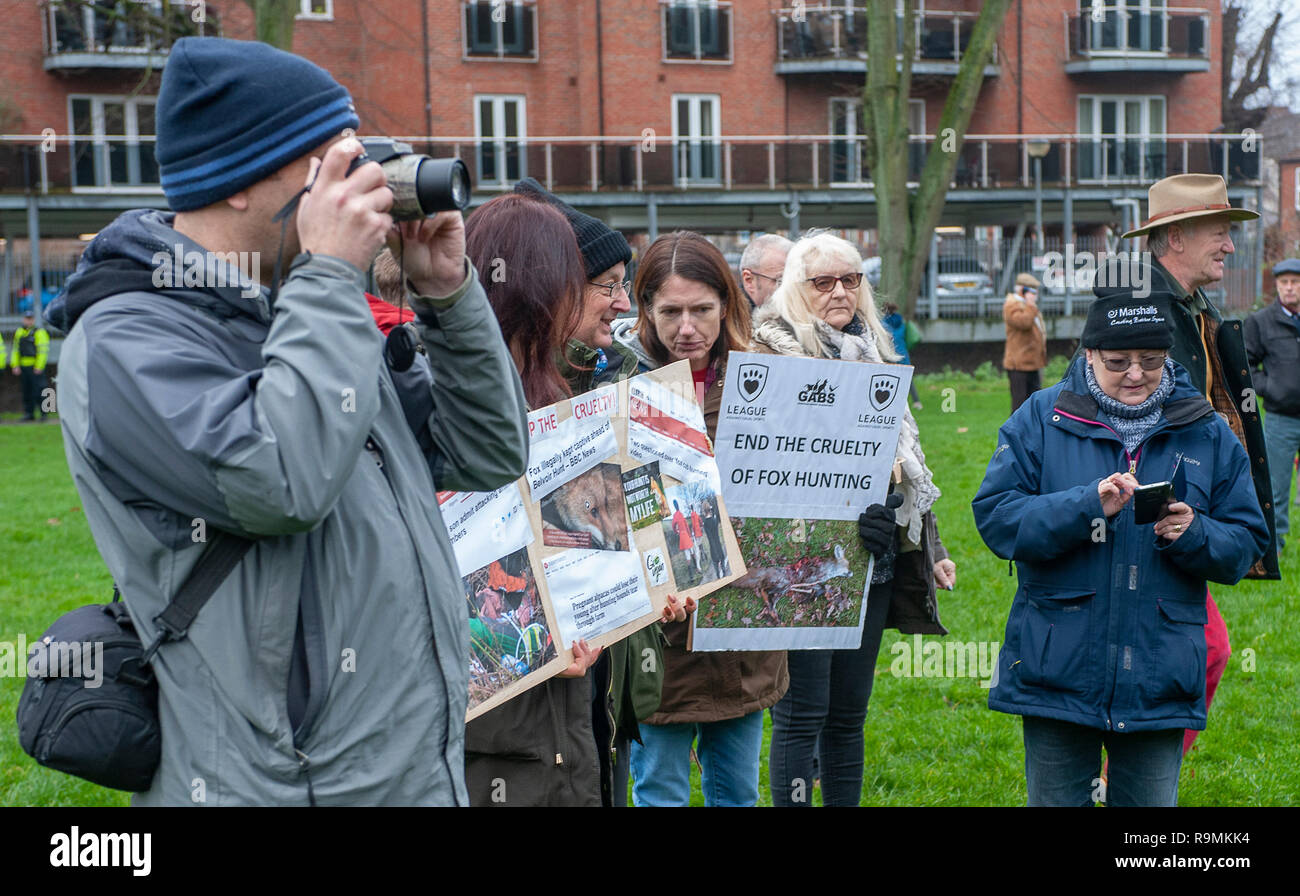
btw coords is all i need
(824, 309)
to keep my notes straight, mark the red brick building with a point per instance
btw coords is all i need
(724, 116)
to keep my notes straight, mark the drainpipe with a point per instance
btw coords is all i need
(428, 88)
(600, 89)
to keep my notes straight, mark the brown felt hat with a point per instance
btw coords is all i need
(1028, 280)
(1185, 196)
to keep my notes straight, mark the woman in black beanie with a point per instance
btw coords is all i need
(1105, 642)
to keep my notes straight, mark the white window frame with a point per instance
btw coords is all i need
(697, 5)
(501, 54)
(694, 144)
(852, 107)
(915, 113)
(99, 143)
(1295, 184)
(1145, 133)
(305, 11)
(499, 141)
(1121, 10)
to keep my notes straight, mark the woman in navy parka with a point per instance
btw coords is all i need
(1105, 643)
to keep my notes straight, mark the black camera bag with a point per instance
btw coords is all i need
(109, 734)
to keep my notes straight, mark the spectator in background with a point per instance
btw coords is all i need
(27, 360)
(897, 327)
(1026, 352)
(1273, 348)
(761, 266)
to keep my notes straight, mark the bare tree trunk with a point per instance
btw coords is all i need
(275, 21)
(905, 221)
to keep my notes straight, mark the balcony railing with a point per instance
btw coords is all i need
(840, 33)
(800, 162)
(1111, 38)
(106, 34)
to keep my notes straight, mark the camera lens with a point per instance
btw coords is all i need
(442, 185)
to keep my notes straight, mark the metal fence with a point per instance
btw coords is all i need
(664, 162)
(973, 276)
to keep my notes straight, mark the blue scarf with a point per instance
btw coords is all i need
(1132, 421)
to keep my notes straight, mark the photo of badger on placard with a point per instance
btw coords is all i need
(588, 511)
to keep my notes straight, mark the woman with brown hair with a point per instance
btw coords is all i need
(540, 744)
(691, 309)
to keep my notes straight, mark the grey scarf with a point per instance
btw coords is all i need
(1132, 422)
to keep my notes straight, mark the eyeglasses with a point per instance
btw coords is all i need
(776, 280)
(608, 288)
(827, 283)
(1122, 365)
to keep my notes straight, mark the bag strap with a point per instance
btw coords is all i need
(220, 557)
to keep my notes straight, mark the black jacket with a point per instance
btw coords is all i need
(1273, 349)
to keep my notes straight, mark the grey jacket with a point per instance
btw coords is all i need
(192, 409)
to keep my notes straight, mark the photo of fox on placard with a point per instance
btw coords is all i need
(588, 511)
(509, 635)
(802, 573)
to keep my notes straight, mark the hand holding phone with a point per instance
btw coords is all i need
(1151, 502)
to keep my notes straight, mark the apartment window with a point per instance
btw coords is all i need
(1295, 179)
(1123, 138)
(1124, 26)
(697, 151)
(848, 143)
(698, 30)
(316, 9)
(501, 129)
(112, 142)
(501, 29)
(105, 25)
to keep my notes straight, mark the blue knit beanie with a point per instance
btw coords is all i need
(231, 112)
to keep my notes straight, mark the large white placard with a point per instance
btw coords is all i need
(803, 447)
(808, 438)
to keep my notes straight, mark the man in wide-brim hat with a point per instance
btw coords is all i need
(1188, 235)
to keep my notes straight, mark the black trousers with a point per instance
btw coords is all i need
(32, 383)
(1024, 383)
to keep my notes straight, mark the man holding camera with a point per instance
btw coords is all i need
(330, 667)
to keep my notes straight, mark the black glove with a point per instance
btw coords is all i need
(876, 525)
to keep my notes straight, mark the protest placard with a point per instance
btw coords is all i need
(804, 445)
(619, 507)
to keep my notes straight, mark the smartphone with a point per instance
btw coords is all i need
(1151, 502)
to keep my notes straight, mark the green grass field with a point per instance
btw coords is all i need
(929, 741)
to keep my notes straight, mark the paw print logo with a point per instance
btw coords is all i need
(752, 379)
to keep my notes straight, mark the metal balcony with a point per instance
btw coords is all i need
(99, 34)
(1121, 39)
(822, 40)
